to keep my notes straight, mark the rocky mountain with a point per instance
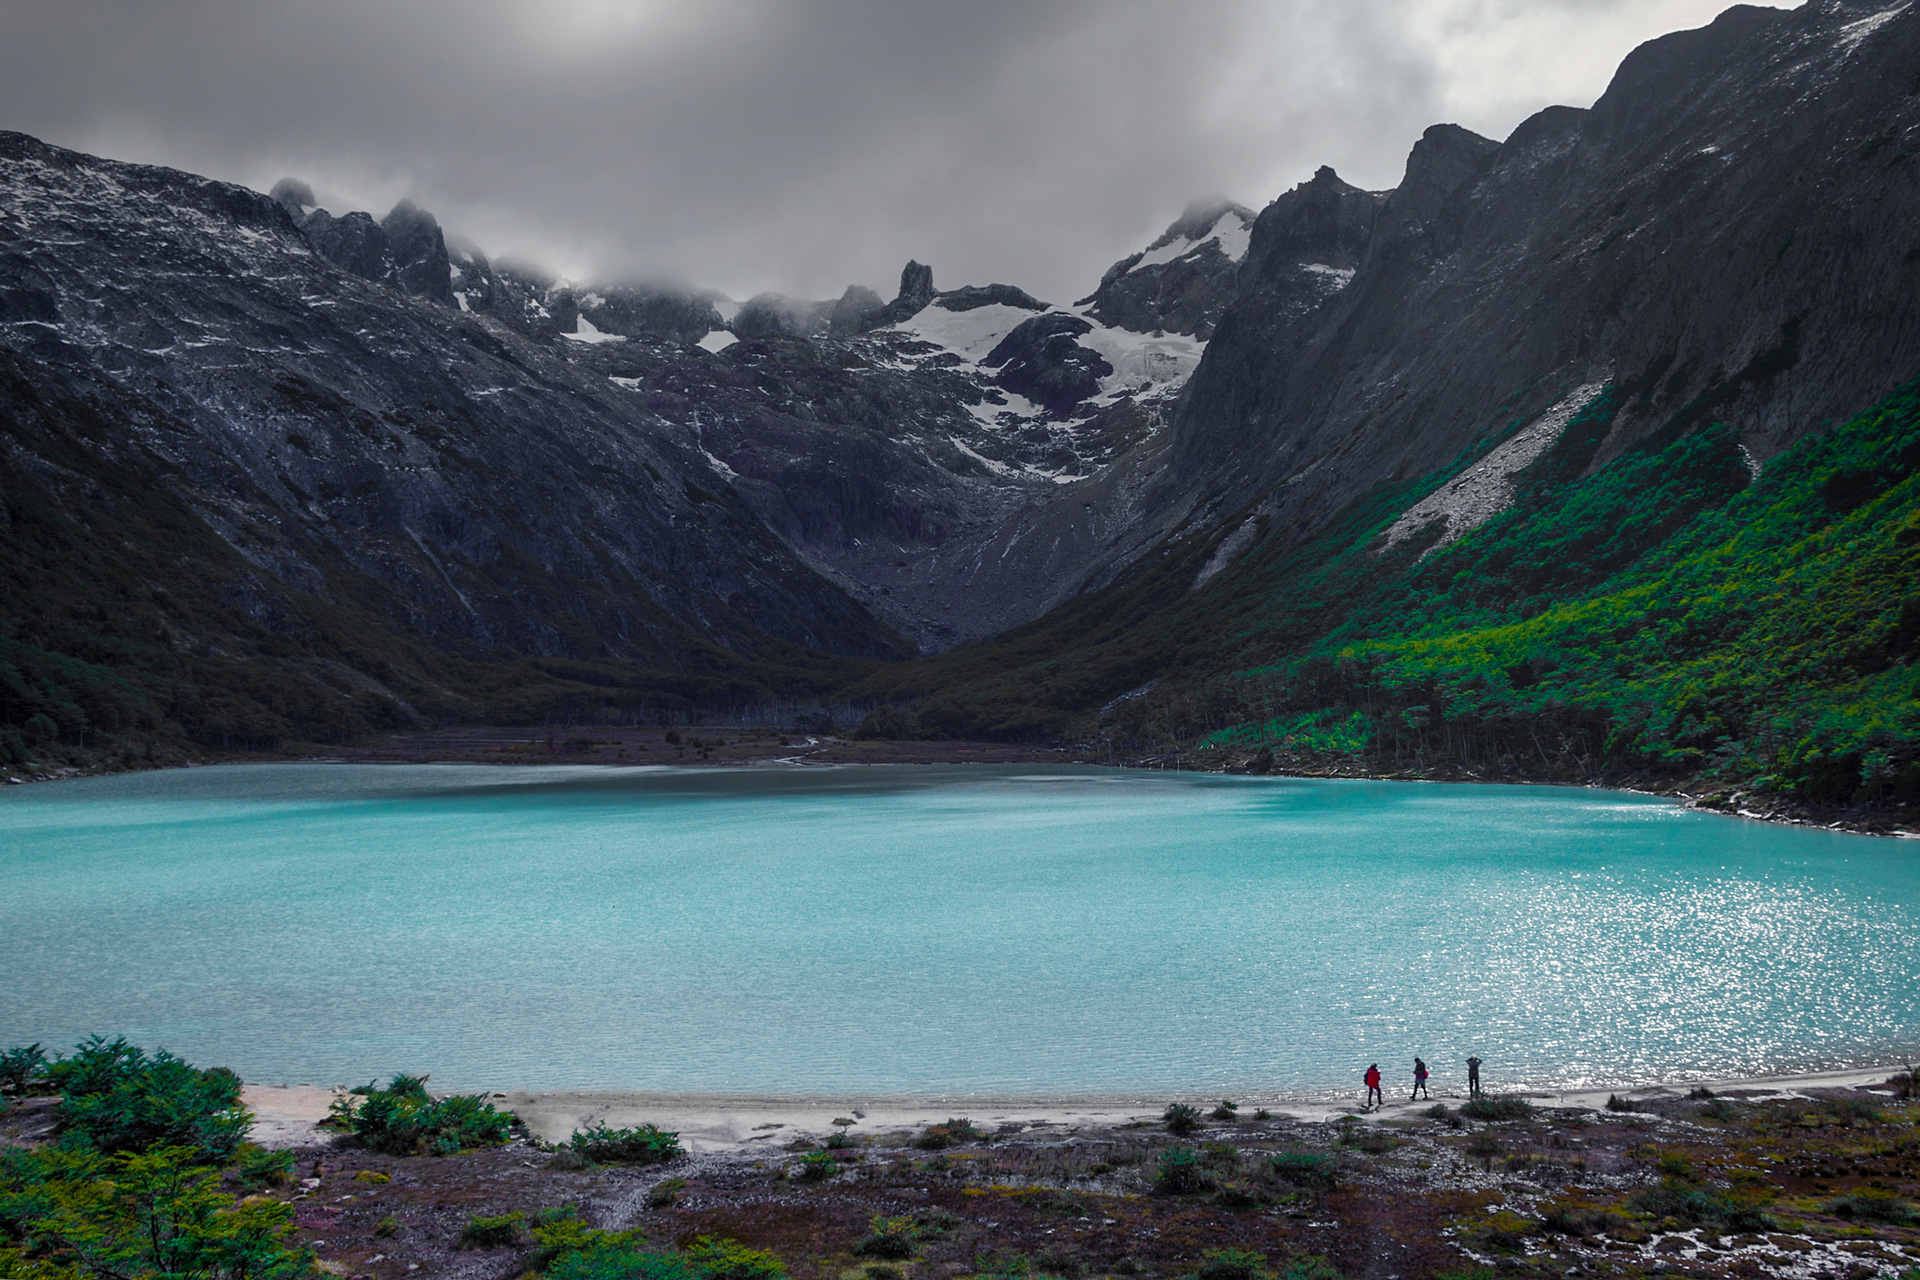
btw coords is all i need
(366, 415)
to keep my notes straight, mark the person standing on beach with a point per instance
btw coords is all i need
(1373, 1086)
(1473, 1076)
(1420, 1079)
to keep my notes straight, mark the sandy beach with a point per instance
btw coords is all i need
(287, 1115)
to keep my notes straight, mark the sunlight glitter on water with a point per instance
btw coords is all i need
(962, 930)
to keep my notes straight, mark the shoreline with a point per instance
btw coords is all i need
(525, 746)
(288, 1115)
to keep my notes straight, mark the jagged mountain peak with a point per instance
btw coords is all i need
(1184, 279)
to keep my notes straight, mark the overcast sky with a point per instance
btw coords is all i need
(801, 145)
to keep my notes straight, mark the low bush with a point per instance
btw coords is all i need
(1181, 1118)
(1182, 1172)
(839, 1140)
(1873, 1205)
(938, 1137)
(888, 1238)
(1231, 1264)
(1263, 1114)
(387, 1227)
(1313, 1169)
(1226, 1111)
(1848, 1110)
(115, 1098)
(1484, 1147)
(619, 1256)
(647, 1144)
(494, 1233)
(404, 1120)
(665, 1192)
(1695, 1206)
(1312, 1266)
(257, 1168)
(21, 1068)
(731, 1260)
(1438, 1111)
(817, 1166)
(1617, 1103)
(373, 1177)
(1489, 1106)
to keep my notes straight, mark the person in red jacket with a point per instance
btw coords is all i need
(1373, 1086)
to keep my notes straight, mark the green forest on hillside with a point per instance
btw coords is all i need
(1667, 614)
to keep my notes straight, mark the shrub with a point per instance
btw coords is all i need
(1438, 1111)
(403, 1120)
(116, 1098)
(665, 1192)
(1847, 1110)
(608, 1256)
(1315, 1169)
(155, 1213)
(1675, 1165)
(1181, 1118)
(888, 1238)
(940, 1136)
(647, 1144)
(1309, 1267)
(1497, 1107)
(1231, 1264)
(1873, 1205)
(1617, 1103)
(1182, 1172)
(495, 1232)
(1673, 1198)
(1237, 1195)
(1263, 1114)
(839, 1140)
(387, 1227)
(1718, 1109)
(1485, 1147)
(21, 1067)
(817, 1166)
(1700, 1093)
(1225, 1111)
(258, 1168)
(731, 1260)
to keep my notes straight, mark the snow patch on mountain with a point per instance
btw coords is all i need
(1485, 489)
(1230, 231)
(587, 333)
(968, 334)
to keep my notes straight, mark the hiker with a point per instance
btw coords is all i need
(1473, 1076)
(1373, 1086)
(1420, 1079)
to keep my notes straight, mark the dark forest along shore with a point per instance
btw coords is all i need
(956, 931)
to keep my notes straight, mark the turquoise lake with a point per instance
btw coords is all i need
(939, 931)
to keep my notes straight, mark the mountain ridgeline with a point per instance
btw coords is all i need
(1589, 452)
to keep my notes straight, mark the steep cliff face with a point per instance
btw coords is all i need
(1726, 235)
(495, 496)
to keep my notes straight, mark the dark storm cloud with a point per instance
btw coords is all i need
(801, 144)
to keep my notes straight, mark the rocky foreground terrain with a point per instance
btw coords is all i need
(1768, 1181)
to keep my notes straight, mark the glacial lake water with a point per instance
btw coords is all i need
(939, 931)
